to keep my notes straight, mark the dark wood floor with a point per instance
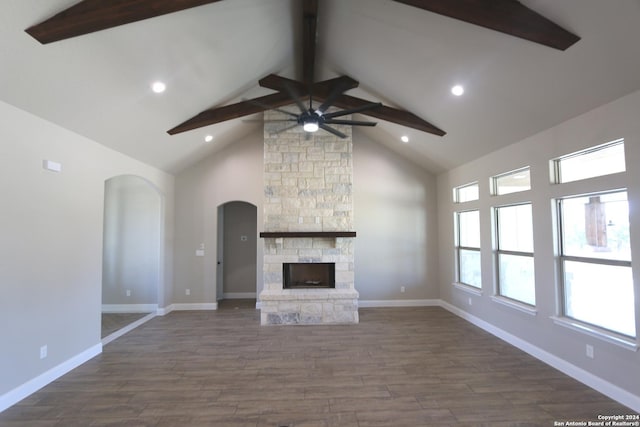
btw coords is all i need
(398, 367)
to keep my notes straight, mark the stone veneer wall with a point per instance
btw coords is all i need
(308, 187)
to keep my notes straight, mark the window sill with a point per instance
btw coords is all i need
(468, 288)
(610, 337)
(525, 308)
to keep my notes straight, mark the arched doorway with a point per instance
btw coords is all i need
(237, 249)
(132, 252)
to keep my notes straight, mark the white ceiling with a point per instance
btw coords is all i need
(98, 85)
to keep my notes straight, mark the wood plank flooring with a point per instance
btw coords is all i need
(398, 367)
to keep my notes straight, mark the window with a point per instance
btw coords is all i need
(514, 237)
(468, 248)
(596, 161)
(595, 261)
(466, 193)
(511, 182)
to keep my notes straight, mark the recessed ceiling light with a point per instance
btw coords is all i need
(404, 138)
(208, 138)
(158, 87)
(457, 90)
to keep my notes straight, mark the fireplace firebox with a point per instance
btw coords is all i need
(309, 275)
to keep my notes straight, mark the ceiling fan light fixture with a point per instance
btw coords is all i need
(310, 126)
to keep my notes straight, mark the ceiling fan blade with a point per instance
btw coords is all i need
(292, 93)
(389, 114)
(358, 109)
(309, 25)
(350, 122)
(284, 129)
(341, 85)
(89, 16)
(290, 87)
(506, 16)
(333, 131)
(233, 111)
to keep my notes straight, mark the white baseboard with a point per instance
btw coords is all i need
(186, 307)
(131, 326)
(161, 311)
(587, 378)
(17, 394)
(399, 303)
(129, 308)
(239, 295)
(194, 306)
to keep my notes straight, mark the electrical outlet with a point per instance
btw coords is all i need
(402, 289)
(43, 352)
(128, 292)
(590, 354)
(187, 291)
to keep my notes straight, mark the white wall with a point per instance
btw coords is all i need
(131, 244)
(51, 243)
(612, 363)
(395, 219)
(232, 174)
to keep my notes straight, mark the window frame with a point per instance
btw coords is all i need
(615, 336)
(494, 181)
(459, 247)
(556, 167)
(456, 192)
(499, 296)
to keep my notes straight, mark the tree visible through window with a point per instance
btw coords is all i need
(595, 257)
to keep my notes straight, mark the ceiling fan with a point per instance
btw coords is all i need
(506, 16)
(312, 119)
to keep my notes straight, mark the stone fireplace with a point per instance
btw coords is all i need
(308, 219)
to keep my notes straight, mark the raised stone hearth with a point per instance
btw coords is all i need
(308, 193)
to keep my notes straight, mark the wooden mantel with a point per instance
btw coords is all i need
(325, 234)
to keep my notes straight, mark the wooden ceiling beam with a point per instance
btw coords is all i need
(309, 33)
(389, 114)
(320, 90)
(506, 16)
(233, 111)
(89, 16)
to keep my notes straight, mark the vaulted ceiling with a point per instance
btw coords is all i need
(98, 84)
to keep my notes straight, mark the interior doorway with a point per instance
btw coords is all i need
(132, 252)
(237, 251)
